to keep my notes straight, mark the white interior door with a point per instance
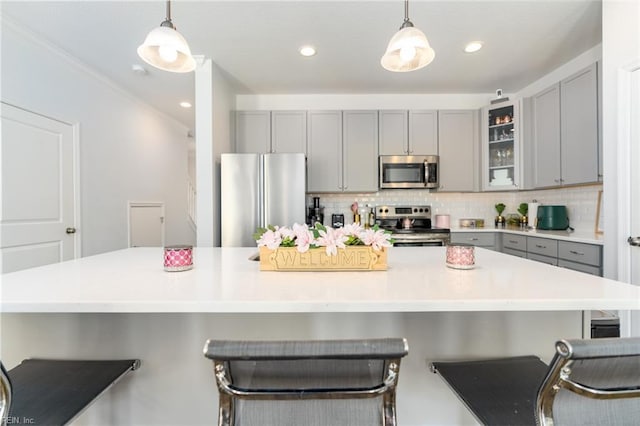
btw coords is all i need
(146, 225)
(634, 186)
(38, 211)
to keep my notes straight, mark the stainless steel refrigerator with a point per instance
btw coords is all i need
(260, 190)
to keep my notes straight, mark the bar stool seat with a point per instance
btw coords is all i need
(588, 382)
(54, 392)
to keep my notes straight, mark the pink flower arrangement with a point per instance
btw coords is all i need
(304, 238)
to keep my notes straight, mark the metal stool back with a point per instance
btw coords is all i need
(321, 382)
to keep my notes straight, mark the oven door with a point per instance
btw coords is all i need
(417, 240)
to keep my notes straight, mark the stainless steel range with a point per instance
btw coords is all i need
(411, 226)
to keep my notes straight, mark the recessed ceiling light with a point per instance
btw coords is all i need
(307, 50)
(474, 46)
(185, 104)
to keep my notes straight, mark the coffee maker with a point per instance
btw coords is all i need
(315, 213)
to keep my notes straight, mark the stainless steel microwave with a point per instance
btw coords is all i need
(408, 171)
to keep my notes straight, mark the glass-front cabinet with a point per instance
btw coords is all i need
(501, 147)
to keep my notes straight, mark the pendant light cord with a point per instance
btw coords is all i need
(167, 21)
(407, 22)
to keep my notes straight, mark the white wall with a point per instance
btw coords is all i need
(215, 101)
(576, 64)
(128, 150)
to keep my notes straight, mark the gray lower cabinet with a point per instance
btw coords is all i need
(479, 239)
(581, 257)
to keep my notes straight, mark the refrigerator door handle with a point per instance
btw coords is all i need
(263, 208)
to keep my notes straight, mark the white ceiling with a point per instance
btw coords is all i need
(256, 43)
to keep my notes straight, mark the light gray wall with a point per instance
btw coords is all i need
(128, 150)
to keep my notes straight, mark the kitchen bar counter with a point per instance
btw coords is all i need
(123, 305)
(225, 281)
(587, 237)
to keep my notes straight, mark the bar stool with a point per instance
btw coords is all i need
(589, 382)
(55, 392)
(316, 382)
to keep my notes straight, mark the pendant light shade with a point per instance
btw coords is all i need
(166, 49)
(408, 49)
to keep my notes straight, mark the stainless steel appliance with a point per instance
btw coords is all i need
(408, 171)
(259, 190)
(411, 226)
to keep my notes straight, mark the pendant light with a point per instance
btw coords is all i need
(165, 48)
(408, 49)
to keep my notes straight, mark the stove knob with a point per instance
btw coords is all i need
(415, 210)
(386, 210)
(420, 210)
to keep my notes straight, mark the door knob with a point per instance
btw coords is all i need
(634, 241)
(71, 230)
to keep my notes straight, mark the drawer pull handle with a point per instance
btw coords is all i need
(540, 246)
(576, 253)
(473, 239)
(513, 242)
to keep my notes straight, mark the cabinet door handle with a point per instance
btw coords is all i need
(539, 246)
(556, 180)
(634, 241)
(576, 253)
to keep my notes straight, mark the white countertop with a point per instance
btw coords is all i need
(575, 236)
(224, 280)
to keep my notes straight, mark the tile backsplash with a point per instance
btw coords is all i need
(581, 202)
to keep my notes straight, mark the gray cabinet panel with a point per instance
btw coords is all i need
(324, 151)
(543, 246)
(593, 270)
(579, 127)
(479, 239)
(514, 252)
(360, 151)
(394, 136)
(288, 131)
(423, 132)
(543, 259)
(458, 148)
(546, 137)
(514, 241)
(253, 132)
(579, 252)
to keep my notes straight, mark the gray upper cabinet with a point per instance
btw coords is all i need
(324, 151)
(288, 131)
(394, 132)
(360, 151)
(565, 131)
(458, 147)
(546, 137)
(579, 127)
(405, 132)
(423, 132)
(253, 131)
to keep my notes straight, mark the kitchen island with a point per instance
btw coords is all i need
(123, 305)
